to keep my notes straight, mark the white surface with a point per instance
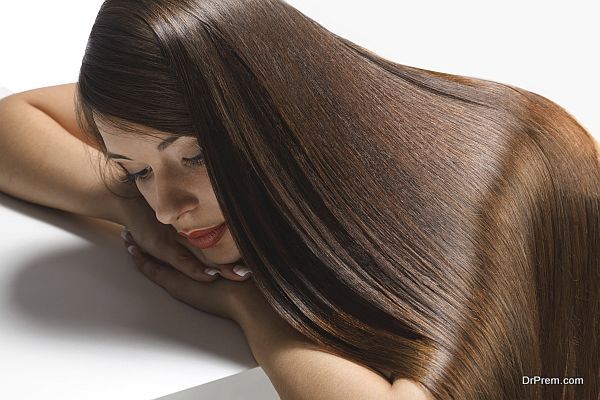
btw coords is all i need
(250, 385)
(77, 315)
(80, 322)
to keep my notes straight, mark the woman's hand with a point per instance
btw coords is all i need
(223, 297)
(162, 242)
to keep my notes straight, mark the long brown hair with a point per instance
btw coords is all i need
(442, 227)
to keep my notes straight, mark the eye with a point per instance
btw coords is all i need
(197, 160)
(144, 174)
(131, 178)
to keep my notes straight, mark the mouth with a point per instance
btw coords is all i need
(205, 238)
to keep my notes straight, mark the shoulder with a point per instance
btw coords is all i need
(405, 388)
(409, 390)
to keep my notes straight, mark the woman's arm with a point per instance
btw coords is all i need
(300, 371)
(45, 159)
(42, 162)
(297, 368)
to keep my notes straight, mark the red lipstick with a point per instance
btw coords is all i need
(205, 238)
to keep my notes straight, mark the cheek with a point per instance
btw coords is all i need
(189, 184)
(203, 190)
(147, 193)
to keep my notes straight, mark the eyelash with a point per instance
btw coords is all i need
(140, 176)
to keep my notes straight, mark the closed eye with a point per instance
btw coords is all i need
(144, 174)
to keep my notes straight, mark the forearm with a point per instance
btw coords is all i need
(299, 370)
(43, 163)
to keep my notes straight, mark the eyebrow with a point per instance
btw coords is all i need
(161, 146)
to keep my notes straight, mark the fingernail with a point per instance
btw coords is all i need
(126, 235)
(241, 270)
(211, 271)
(134, 251)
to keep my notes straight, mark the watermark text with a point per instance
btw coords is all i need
(541, 380)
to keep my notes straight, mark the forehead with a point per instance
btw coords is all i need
(126, 137)
(124, 134)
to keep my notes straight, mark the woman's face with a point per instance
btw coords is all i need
(173, 179)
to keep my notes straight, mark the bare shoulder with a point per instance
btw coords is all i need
(58, 102)
(406, 389)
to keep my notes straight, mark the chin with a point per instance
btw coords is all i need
(225, 252)
(217, 255)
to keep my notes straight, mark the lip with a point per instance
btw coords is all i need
(205, 238)
(196, 233)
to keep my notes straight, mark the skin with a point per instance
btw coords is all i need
(297, 367)
(181, 195)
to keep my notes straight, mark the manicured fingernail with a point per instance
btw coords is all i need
(134, 251)
(126, 235)
(241, 270)
(211, 271)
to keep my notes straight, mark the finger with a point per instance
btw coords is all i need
(231, 272)
(226, 270)
(210, 275)
(235, 272)
(179, 258)
(164, 276)
(208, 298)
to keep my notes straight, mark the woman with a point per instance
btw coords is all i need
(440, 230)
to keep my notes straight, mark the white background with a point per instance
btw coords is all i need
(542, 46)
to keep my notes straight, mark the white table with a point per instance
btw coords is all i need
(79, 321)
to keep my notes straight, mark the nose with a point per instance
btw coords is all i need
(171, 200)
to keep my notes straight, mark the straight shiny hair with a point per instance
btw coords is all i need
(442, 227)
